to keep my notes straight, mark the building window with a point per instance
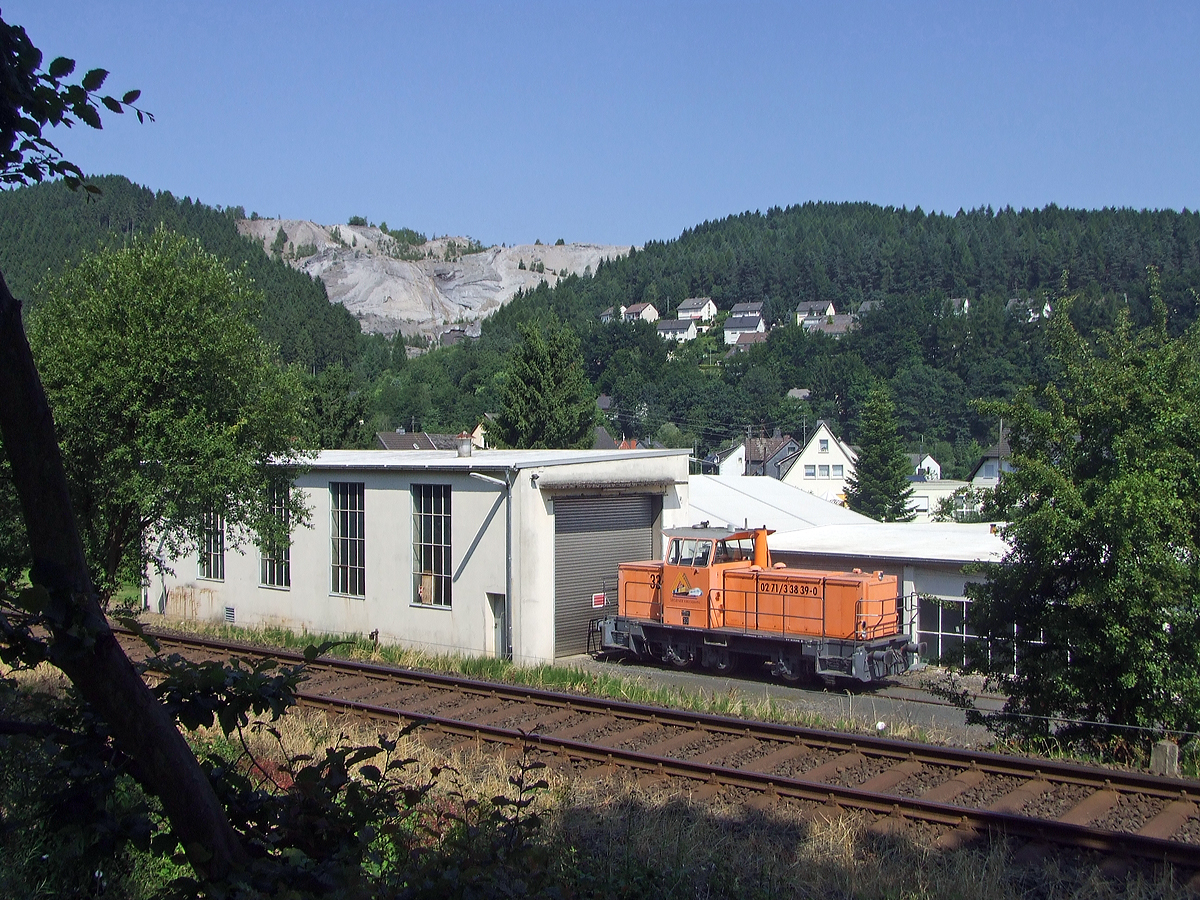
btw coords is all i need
(824, 471)
(212, 546)
(431, 544)
(823, 445)
(349, 544)
(275, 562)
(837, 471)
(810, 471)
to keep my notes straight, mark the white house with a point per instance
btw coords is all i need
(992, 465)
(495, 552)
(925, 465)
(834, 326)
(612, 313)
(927, 495)
(736, 326)
(814, 309)
(823, 467)
(728, 462)
(746, 309)
(677, 329)
(700, 308)
(644, 311)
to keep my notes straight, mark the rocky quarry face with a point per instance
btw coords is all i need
(419, 289)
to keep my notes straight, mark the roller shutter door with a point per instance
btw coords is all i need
(591, 536)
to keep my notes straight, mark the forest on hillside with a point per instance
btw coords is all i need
(45, 227)
(937, 356)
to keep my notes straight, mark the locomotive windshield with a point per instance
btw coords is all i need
(686, 552)
(699, 553)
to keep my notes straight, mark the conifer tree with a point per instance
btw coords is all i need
(546, 401)
(879, 487)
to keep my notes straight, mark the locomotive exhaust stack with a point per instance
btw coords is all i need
(717, 601)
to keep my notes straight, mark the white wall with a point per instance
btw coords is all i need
(837, 454)
(478, 549)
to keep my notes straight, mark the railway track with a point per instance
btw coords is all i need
(966, 793)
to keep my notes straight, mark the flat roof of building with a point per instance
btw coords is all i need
(944, 542)
(760, 500)
(479, 459)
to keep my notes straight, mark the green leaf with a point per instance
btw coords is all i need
(34, 599)
(89, 116)
(61, 67)
(94, 79)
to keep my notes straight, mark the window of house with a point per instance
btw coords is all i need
(824, 471)
(275, 560)
(837, 471)
(810, 471)
(431, 544)
(212, 547)
(347, 527)
(989, 470)
(823, 445)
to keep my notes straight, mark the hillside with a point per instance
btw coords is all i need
(377, 280)
(45, 227)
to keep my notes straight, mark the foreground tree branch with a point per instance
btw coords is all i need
(81, 643)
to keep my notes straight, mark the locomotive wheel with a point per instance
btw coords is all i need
(675, 659)
(727, 664)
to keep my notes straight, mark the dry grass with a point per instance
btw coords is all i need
(618, 836)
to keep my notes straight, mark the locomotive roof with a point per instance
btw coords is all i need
(706, 533)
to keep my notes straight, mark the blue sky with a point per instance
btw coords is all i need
(627, 122)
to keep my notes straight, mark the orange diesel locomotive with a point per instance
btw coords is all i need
(716, 600)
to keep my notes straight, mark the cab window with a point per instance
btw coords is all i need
(734, 551)
(685, 552)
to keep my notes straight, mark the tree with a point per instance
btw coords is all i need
(340, 410)
(168, 404)
(62, 602)
(879, 487)
(546, 401)
(1098, 600)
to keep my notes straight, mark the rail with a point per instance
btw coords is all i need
(966, 792)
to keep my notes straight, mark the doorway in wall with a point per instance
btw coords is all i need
(499, 642)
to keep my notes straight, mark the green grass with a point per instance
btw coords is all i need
(546, 676)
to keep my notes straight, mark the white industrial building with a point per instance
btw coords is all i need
(503, 552)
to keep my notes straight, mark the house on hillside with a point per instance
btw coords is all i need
(823, 467)
(703, 309)
(814, 309)
(746, 341)
(764, 454)
(737, 325)
(1029, 310)
(746, 309)
(612, 313)
(959, 306)
(834, 326)
(679, 330)
(865, 307)
(644, 311)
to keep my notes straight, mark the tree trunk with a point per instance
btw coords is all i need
(81, 643)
